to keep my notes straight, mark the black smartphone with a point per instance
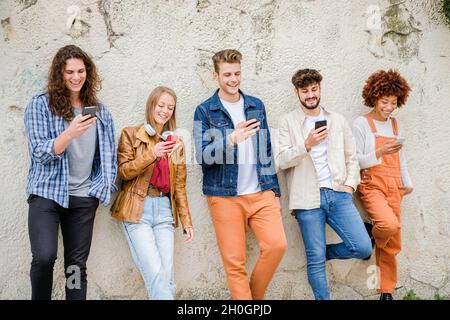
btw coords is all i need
(91, 110)
(255, 115)
(320, 124)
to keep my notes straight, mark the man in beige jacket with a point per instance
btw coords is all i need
(318, 153)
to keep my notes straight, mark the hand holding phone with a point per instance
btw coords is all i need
(399, 140)
(169, 136)
(164, 147)
(320, 124)
(79, 125)
(317, 136)
(173, 138)
(245, 130)
(389, 146)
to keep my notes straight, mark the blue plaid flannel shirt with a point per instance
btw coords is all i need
(48, 173)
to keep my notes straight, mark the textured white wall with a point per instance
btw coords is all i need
(140, 44)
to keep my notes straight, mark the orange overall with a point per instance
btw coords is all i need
(381, 191)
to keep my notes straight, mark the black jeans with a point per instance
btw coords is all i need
(77, 223)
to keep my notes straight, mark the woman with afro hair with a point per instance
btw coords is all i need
(384, 173)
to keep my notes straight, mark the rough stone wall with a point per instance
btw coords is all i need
(139, 44)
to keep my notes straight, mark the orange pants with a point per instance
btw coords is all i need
(231, 216)
(382, 197)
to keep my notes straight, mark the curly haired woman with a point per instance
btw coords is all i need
(384, 173)
(73, 167)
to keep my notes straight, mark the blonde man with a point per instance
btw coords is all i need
(233, 147)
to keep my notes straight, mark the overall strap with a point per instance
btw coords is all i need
(371, 123)
(394, 126)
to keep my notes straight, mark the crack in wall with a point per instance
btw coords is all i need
(422, 283)
(26, 4)
(104, 8)
(263, 28)
(205, 67)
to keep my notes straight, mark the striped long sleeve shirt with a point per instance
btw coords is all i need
(48, 173)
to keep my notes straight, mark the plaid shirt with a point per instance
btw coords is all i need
(48, 173)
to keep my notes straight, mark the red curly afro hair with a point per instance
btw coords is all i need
(385, 83)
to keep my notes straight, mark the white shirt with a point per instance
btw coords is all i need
(365, 144)
(247, 176)
(319, 152)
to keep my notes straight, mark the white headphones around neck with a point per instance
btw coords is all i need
(149, 129)
(151, 132)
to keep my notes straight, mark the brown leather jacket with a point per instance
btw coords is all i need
(136, 162)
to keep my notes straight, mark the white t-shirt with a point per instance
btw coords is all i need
(319, 153)
(247, 175)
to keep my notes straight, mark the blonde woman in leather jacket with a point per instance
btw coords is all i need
(150, 211)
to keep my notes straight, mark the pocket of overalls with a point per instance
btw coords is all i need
(394, 189)
(366, 178)
(363, 189)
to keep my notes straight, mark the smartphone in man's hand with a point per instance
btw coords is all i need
(320, 124)
(252, 121)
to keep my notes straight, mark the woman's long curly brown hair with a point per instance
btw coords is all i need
(59, 95)
(385, 83)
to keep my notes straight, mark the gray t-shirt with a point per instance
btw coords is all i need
(81, 154)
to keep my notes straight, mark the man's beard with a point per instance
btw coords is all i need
(310, 107)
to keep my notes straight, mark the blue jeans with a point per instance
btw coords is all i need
(336, 209)
(151, 245)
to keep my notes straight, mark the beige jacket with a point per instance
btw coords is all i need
(301, 176)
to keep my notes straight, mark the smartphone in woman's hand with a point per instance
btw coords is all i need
(399, 140)
(91, 110)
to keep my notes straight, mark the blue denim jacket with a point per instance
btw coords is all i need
(212, 125)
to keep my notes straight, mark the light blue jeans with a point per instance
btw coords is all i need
(151, 245)
(336, 209)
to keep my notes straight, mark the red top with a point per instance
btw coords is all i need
(161, 175)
